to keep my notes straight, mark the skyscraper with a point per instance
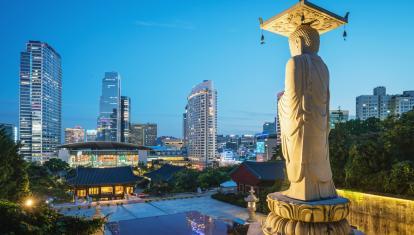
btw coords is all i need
(125, 118)
(143, 134)
(185, 137)
(10, 130)
(109, 124)
(277, 121)
(74, 135)
(40, 103)
(202, 124)
(269, 128)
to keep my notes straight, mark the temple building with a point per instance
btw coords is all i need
(259, 175)
(104, 183)
(103, 154)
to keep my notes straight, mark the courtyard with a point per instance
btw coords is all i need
(203, 204)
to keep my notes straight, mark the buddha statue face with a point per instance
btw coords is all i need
(304, 40)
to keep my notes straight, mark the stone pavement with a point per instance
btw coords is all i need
(204, 204)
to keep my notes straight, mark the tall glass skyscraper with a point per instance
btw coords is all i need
(125, 118)
(109, 124)
(201, 121)
(40, 104)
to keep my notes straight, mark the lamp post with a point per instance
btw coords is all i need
(251, 200)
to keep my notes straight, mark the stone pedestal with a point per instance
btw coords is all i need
(295, 217)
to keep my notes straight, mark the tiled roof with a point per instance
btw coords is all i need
(104, 176)
(266, 170)
(164, 173)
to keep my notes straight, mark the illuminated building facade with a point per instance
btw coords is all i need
(109, 124)
(40, 103)
(103, 154)
(201, 121)
(143, 134)
(125, 118)
(104, 183)
(74, 135)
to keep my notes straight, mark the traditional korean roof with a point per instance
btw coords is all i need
(165, 173)
(267, 170)
(256, 172)
(104, 176)
(102, 145)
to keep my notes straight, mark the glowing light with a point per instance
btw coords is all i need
(29, 202)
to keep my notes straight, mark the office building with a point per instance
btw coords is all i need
(277, 121)
(185, 136)
(143, 134)
(269, 128)
(125, 118)
(91, 135)
(10, 130)
(40, 102)
(74, 135)
(202, 124)
(376, 105)
(402, 103)
(337, 116)
(109, 124)
(381, 105)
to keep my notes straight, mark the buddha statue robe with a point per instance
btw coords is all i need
(304, 121)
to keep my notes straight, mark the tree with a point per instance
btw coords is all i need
(14, 182)
(15, 219)
(56, 165)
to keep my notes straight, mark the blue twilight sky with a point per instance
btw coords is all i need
(163, 48)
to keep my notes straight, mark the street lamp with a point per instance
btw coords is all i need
(29, 203)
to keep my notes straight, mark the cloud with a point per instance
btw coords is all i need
(178, 24)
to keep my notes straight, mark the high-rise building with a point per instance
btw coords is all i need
(125, 118)
(74, 135)
(185, 137)
(202, 124)
(380, 105)
(109, 124)
(269, 128)
(337, 116)
(277, 121)
(91, 135)
(10, 130)
(40, 103)
(143, 134)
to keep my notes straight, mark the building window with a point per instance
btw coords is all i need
(107, 190)
(93, 191)
(81, 192)
(129, 190)
(119, 189)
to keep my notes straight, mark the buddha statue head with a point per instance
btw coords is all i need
(304, 40)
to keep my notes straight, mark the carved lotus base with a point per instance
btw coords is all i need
(329, 210)
(276, 225)
(289, 216)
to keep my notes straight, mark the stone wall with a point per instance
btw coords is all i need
(375, 214)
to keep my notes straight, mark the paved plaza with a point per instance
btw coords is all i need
(204, 204)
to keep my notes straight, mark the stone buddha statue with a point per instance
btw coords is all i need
(304, 119)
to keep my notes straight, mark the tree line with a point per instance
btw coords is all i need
(21, 181)
(374, 155)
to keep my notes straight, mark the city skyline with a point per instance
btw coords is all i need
(191, 48)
